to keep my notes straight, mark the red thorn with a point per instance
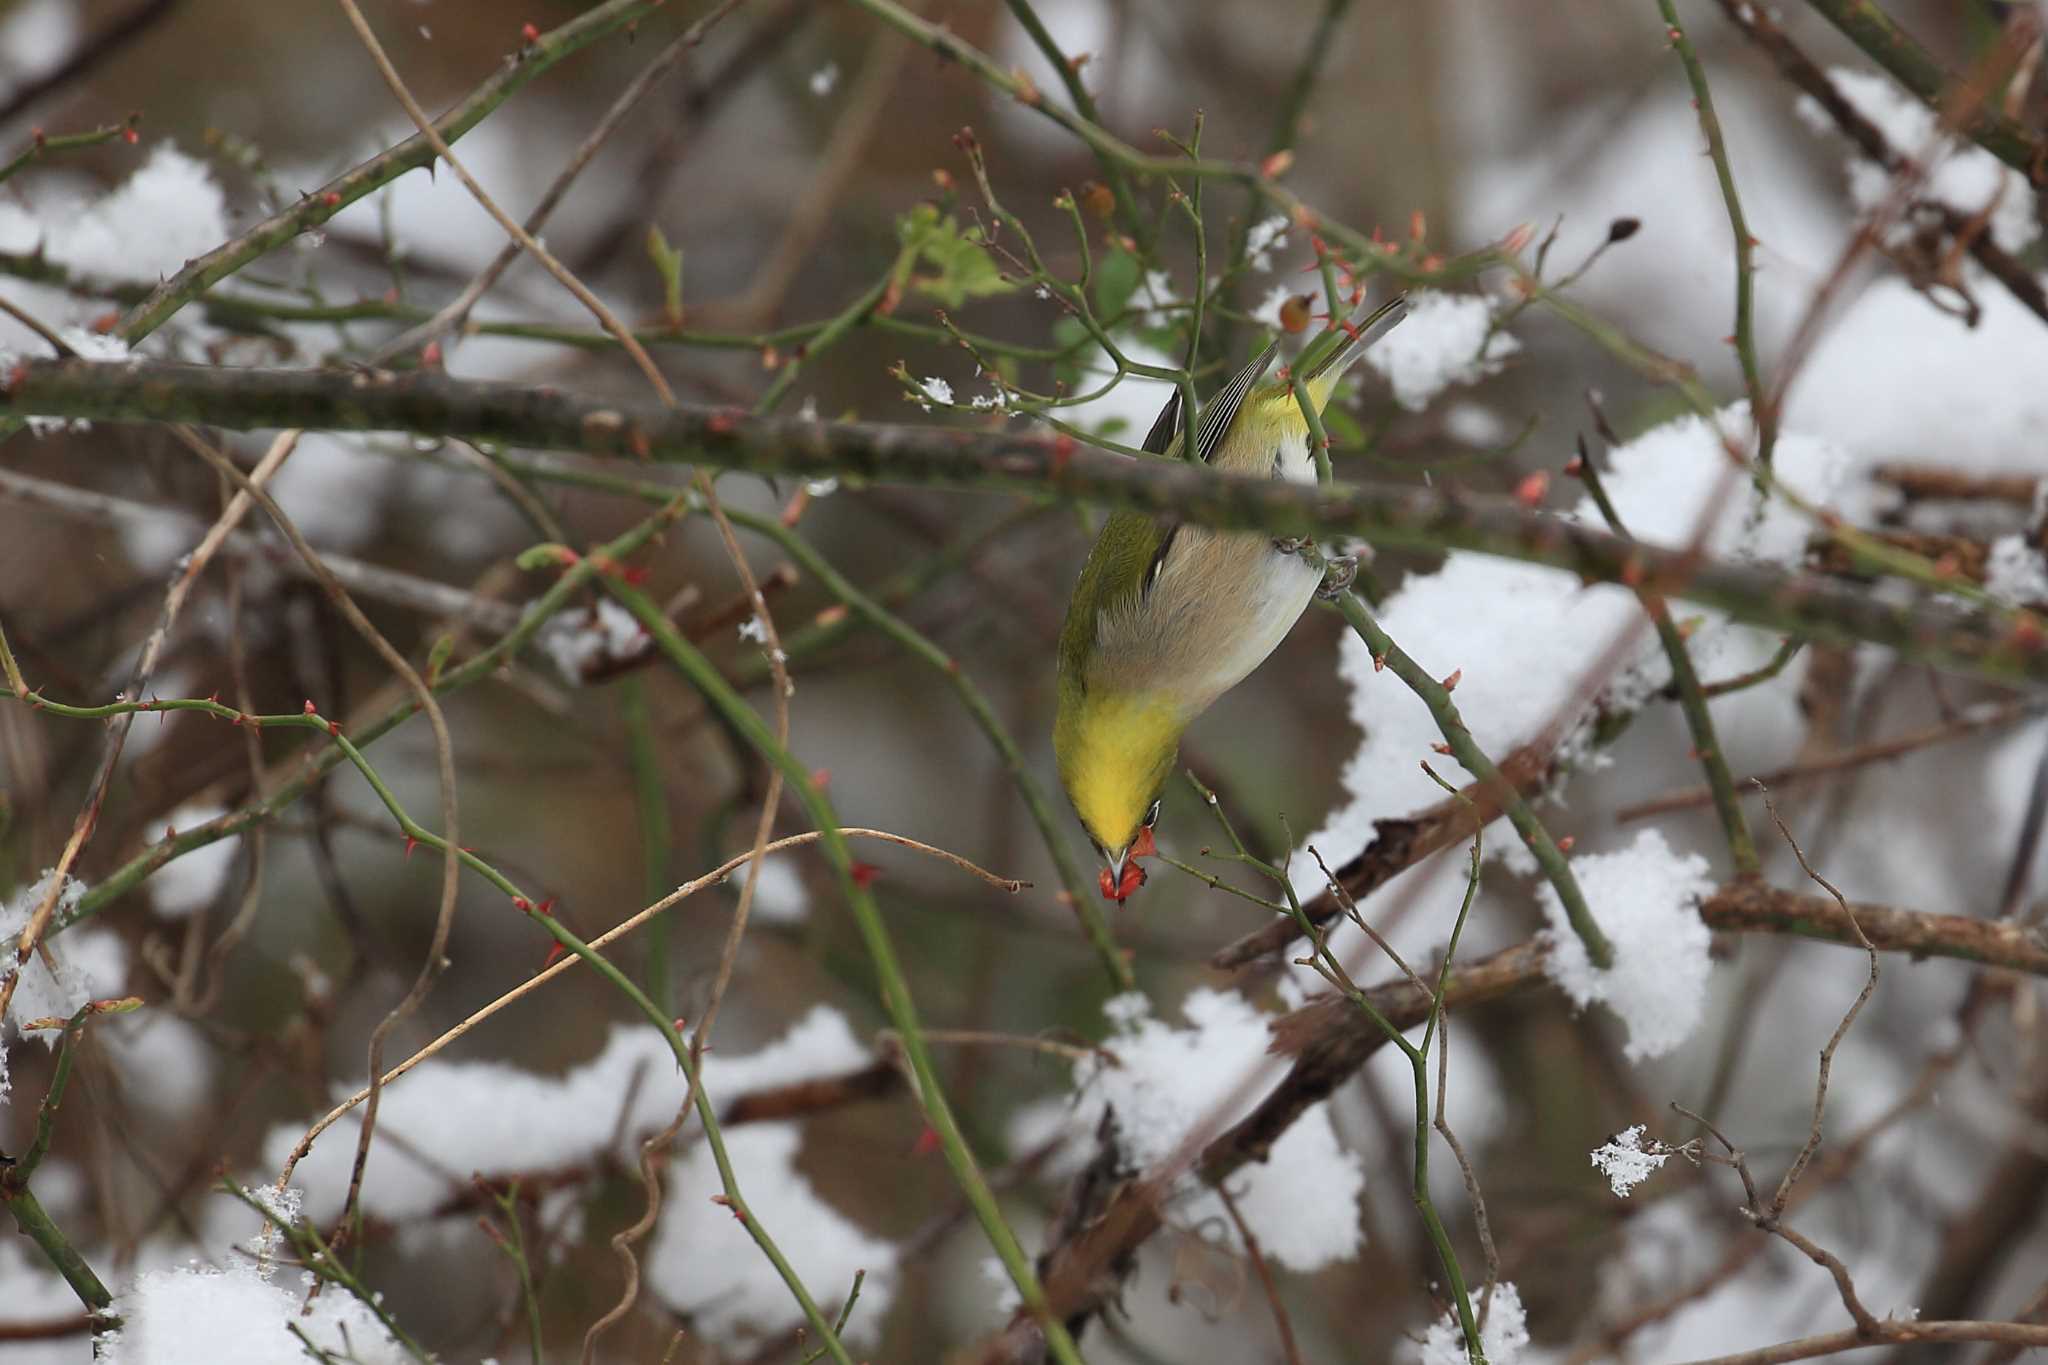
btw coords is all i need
(529, 34)
(863, 874)
(1529, 492)
(130, 136)
(927, 1142)
(311, 709)
(334, 728)
(556, 952)
(522, 904)
(546, 907)
(430, 355)
(1451, 683)
(1379, 663)
(332, 199)
(1564, 845)
(633, 575)
(1442, 748)
(410, 844)
(821, 778)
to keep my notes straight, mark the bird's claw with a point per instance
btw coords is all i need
(1339, 571)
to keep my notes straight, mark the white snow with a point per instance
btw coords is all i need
(1504, 1334)
(2017, 571)
(1523, 635)
(579, 641)
(779, 894)
(933, 390)
(1645, 899)
(240, 1316)
(1443, 341)
(1961, 174)
(192, 881)
(703, 1262)
(1266, 236)
(1301, 1203)
(88, 962)
(1626, 1162)
(459, 1117)
(825, 79)
(169, 211)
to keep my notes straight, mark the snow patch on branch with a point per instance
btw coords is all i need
(1446, 339)
(1505, 1334)
(1301, 1203)
(1645, 898)
(1626, 1162)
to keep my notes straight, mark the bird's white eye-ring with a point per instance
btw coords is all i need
(1152, 815)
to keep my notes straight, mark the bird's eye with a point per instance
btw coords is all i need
(1152, 815)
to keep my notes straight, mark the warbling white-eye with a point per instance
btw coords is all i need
(1167, 617)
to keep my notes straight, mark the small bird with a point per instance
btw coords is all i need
(1167, 617)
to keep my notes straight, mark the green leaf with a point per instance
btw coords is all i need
(1342, 427)
(1115, 279)
(940, 258)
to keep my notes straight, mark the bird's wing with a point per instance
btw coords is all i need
(1217, 414)
(1219, 410)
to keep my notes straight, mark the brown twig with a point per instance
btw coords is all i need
(1878, 751)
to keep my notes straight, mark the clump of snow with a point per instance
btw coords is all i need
(169, 211)
(202, 1316)
(1505, 1334)
(779, 894)
(1266, 236)
(1960, 174)
(1522, 634)
(193, 880)
(490, 1116)
(703, 1262)
(933, 390)
(2017, 571)
(1985, 414)
(92, 345)
(1474, 424)
(82, 962)
(1301, 1203)
(1157, 292)
(1645, 898)
(1626, 1162)
(825, 79)
(1446, 339)
(580, 642)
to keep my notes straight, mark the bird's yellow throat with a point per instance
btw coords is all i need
(1115, 753)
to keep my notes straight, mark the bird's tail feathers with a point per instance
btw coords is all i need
(1362, 329)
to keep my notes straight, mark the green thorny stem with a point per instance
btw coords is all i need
(1762, 411)
(874, 933)
(1332, 970)
(1437, 697)
(29, 1216)
(1692, 699)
